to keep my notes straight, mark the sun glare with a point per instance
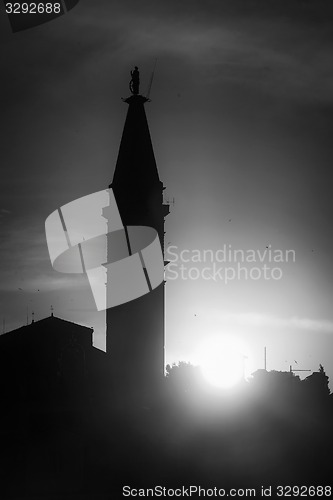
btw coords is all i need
(222, 361)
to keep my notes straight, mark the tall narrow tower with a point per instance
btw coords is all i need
(135, 330)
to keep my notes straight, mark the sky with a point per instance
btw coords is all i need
(241, 115)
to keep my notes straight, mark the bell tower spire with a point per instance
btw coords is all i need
(135, 330)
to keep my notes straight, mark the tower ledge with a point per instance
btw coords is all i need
(136, 99)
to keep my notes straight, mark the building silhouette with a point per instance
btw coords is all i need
(135, 330)
(44, 366)
(132, 369)
(46, 384)
(56, 388)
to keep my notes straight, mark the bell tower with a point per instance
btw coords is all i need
(135, 329)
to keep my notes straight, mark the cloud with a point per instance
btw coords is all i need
(279, 47)
(4, 212)
(278, 50)
(25, 262)
(299, 68)
(270, 321)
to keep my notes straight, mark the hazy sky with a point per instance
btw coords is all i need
(241, 120)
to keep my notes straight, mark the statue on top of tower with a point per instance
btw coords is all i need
(135, 82)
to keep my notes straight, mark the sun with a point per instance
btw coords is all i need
(222, 361)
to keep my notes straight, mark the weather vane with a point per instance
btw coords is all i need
(135, 81)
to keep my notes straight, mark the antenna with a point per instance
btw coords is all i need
(151, 80)
(51, 308)
(292, 370)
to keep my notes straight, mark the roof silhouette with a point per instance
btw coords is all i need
(46, 322)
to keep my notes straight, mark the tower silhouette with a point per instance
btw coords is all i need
(135, 330)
